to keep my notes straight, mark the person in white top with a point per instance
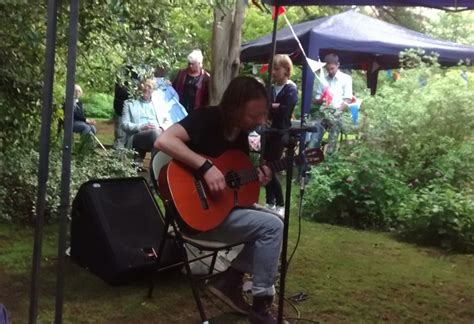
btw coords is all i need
(333, 94)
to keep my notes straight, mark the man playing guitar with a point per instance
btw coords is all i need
(211, 132)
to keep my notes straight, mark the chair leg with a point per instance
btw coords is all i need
(189, 274)
(213, 263)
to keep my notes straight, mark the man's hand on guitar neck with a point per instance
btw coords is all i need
(265, 174)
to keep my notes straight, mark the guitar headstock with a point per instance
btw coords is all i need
(314, 156)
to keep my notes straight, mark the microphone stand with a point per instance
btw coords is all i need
(290, 151)
(293, 134)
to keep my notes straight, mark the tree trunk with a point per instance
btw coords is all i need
(226, 41)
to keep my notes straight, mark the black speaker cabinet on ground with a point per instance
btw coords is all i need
(116, 227)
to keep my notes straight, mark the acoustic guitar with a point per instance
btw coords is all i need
(201, 210)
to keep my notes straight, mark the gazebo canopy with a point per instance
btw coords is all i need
(362, 42)
(456, 4)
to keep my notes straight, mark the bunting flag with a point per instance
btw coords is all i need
(326, 97)
(264, 69)
(354, 107)
(314, 65)
(281, 10)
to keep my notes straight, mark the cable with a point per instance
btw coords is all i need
(300, 214)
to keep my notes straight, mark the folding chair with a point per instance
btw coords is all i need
(172, 230)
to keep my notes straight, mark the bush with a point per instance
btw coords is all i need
(441, 215)
(98, 105)
(413, 167)
(359, 189)
(19, 182)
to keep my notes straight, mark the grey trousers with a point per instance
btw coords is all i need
(119, 133)
(334, 131)
(143, 141)
(262, 233)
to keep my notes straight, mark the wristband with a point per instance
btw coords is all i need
(199, 173)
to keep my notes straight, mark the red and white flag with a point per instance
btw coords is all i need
(281, 10)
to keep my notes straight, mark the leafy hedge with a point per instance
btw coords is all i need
(412, 169)
(19, 178)
(98, 105)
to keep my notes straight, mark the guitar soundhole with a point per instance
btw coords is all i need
(232, 179)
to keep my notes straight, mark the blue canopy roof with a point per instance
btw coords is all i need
(399, 3)
(359, 40)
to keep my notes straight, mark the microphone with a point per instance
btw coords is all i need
(292, 130)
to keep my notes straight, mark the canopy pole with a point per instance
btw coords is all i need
(281, 293)
(66, 158)
(372, 79)
(270, 70)
(43, 164)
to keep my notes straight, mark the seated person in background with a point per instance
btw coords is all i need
(81, 124)
(166, 100)
(140, 122)
(333, 94)
(125, 78)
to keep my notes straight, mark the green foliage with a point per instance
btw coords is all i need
(402, 16)
(21, 63)
(18, 178)
(98, 105)
(412, 170)
(439, 214)
(359, 189)
(454, 26)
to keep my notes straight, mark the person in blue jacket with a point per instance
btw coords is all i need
(283, 102)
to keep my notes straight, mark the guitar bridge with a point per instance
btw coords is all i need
(201, 193)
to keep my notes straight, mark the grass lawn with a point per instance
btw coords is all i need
(105, 131)
(349, 275)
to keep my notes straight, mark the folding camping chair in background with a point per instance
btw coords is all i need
(209, 249)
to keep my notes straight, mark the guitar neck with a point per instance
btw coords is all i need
(248, 175)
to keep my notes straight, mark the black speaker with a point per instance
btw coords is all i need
(116, 227)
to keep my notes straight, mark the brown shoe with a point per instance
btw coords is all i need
(228, 288)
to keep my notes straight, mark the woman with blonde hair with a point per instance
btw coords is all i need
(283, 102)
(81, 124)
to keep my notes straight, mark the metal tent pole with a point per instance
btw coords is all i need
(43, 164)
(66, 158)
(285, 229)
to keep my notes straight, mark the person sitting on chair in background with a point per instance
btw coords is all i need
(284, 98)
(211, 131)
(124, 81)
(192, 83)
(166, 100)
(334, 93)
(140, 122)
(81, 124)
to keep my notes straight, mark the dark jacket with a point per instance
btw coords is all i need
(287, 98)
(202, 88)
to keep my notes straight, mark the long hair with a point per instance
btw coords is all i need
(240, 90)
